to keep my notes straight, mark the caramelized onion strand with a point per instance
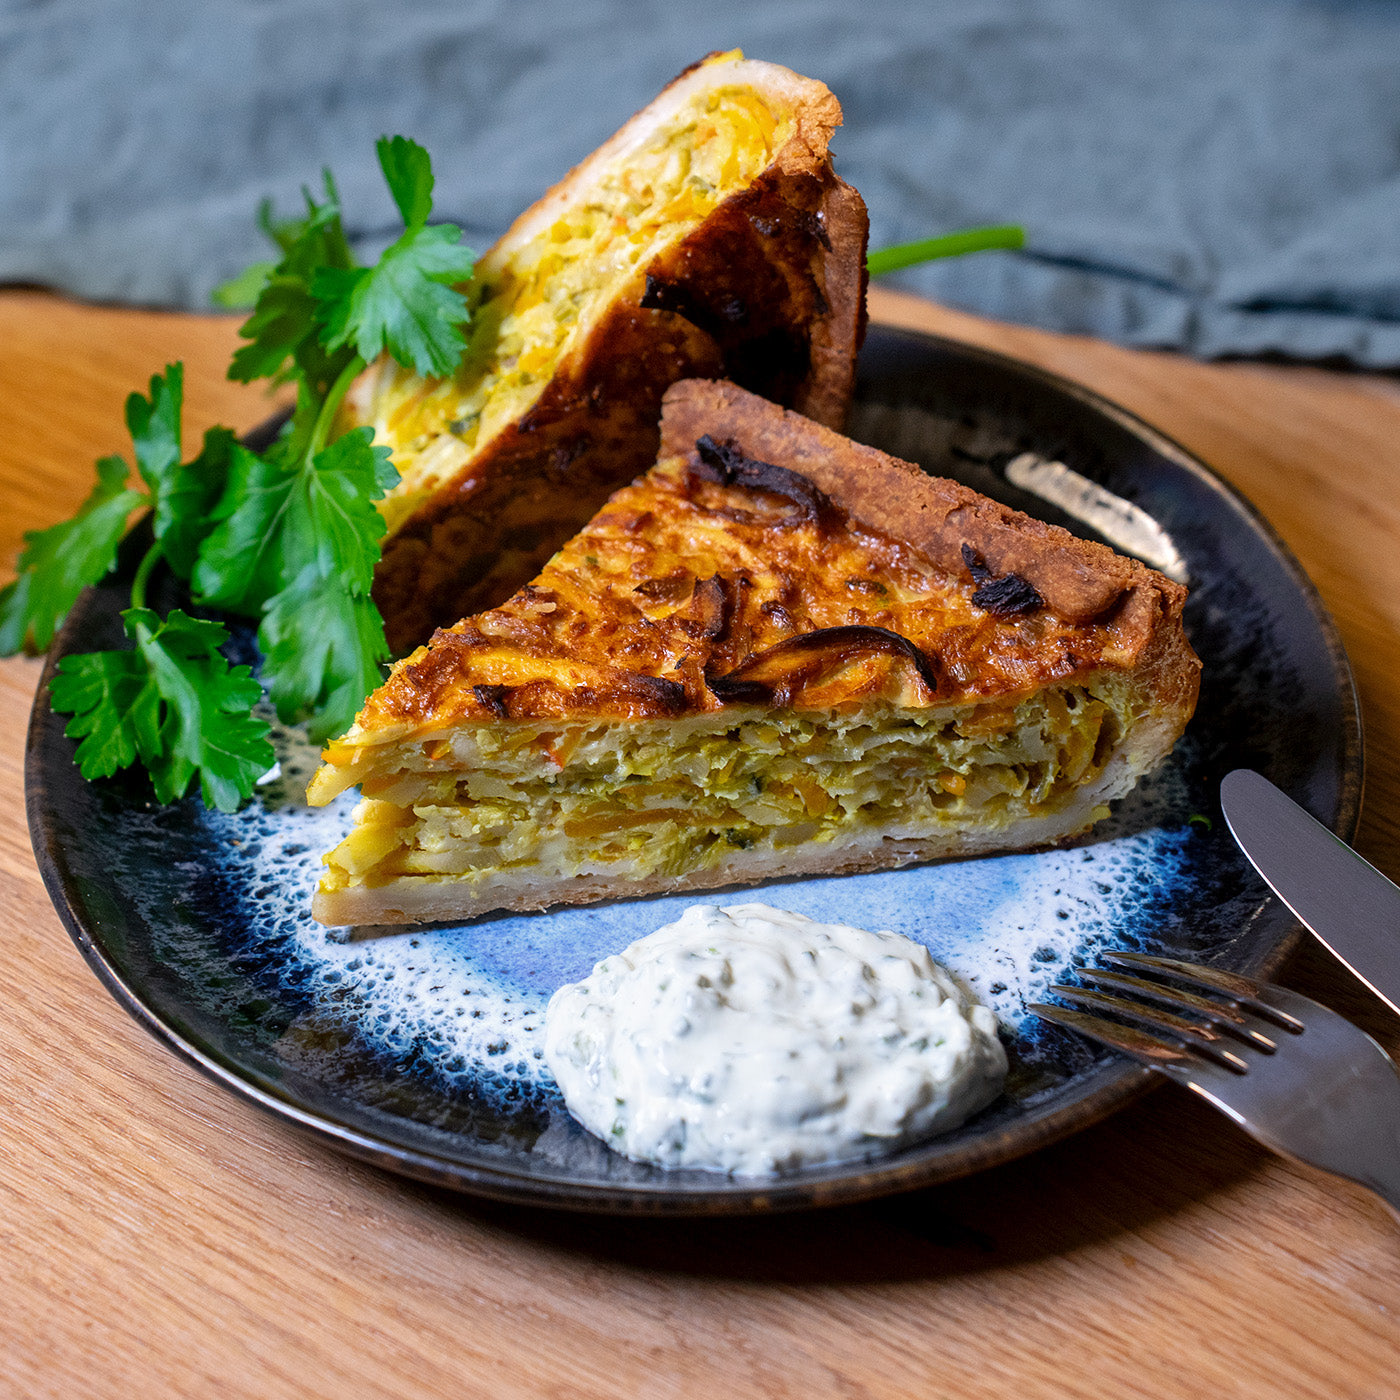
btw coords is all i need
(778, 672)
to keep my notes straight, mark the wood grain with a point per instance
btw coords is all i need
(159, 1238)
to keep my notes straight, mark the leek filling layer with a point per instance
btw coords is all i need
(658, 799)
(525, 310)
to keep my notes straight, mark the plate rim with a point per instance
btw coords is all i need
(1108, 1086)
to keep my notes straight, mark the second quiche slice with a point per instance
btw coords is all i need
(777, 653)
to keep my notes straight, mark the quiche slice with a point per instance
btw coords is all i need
(777, 653)
(709, 236)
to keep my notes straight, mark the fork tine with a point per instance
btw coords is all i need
(1244, 990)
(1226, 1017)
(1190, 1035)
(1150, 1049)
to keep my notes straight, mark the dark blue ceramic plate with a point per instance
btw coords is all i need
(420, 1050)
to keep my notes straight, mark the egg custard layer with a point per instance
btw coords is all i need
(777, 653)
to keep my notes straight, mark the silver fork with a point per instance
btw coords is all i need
(1298, 1077)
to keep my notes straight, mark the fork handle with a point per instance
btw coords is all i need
(1370, 1157)
(1388, 1190)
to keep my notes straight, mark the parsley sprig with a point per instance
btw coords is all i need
(290, 536)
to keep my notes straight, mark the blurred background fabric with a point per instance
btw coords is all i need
(1216, 176)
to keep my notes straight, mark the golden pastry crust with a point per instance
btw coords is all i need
(766, 288)
(766, 583)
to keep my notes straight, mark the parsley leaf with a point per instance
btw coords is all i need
(183, 493)
(241, 293)
(402, 304)
(240, 564)
(101, 690)
(203, 724)
(282, 319)
(409, 172)
(154, 425)
(302, 542)
(407, 302)
(332, 521)
(282, 333)
(58, 563)
(275, 521)
(322, 649)
(187, 499)
(174, 702)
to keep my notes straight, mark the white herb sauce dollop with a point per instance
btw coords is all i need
(751, 1040)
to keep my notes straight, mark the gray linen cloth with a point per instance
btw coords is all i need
(1219, 176)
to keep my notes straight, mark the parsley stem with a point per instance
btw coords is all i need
(143, 573)
(335, 394)
(950, 245)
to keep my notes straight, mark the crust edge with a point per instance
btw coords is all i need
(1079, 579)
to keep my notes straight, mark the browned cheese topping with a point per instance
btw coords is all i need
(717, 579)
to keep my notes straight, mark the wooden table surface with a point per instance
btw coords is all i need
(159, 1237)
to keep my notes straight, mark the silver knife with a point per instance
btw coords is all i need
(1351, 907)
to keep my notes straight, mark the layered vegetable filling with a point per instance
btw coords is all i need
(651, 799)
(526, 308)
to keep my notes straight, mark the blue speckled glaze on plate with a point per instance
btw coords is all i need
(421, 1049)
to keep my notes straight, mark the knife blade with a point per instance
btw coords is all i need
(1352, 908)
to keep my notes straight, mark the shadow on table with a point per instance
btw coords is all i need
(1159, 1156)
